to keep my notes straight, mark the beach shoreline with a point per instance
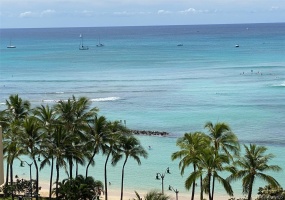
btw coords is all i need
(115, 193)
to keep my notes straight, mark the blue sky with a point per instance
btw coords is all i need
(95, 13)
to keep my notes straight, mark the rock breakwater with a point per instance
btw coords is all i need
(145, 132)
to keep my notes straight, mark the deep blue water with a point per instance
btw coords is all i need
(143, 77)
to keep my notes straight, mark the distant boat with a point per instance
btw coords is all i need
(81, 46)
(99, 44)
(10, 46)
(179, 45)
(237, 45)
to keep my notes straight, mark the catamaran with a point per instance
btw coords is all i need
(99, 44)
(81, 46)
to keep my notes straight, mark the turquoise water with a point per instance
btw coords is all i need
(143, 77)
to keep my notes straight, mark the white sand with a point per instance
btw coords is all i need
(114, 194)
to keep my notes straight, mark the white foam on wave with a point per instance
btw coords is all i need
(280, 85)
(93, 100)
(59, 92)
(50, 101)
(2, 103)
(105, 99)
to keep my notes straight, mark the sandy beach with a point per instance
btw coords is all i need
(129, 195)
(114, 194)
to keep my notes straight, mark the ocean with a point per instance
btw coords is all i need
(144, 77)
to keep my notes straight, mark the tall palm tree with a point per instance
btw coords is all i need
(191, 145)
(115, 131)
(223, 138)
(47, 120)
(253, 165)
(74, 114)
(59, 141)
(31, 139)
(131, 148)
(97, 136)
(12, 150)
(210, 165)
(11, 120)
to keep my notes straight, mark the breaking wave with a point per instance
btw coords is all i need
(105, 99)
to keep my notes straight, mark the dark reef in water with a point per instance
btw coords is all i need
(144, 132)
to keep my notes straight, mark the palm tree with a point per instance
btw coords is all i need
(17, 108)
(97, 136)
(12, 149)
(210, 165)
(74, 114)
(31, 139)
(252, 166)
(191, 146)
(47, 120)
(11, 120)
(59, 142)
(223, 138)
(131, 148)
(112, 142)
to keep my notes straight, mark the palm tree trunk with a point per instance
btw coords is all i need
(209, 187)
(89, 163)
(11, 178)
(37, 178)
(213, 186)
(76, 172)
(57, 179)
(122, 183)
(50, 180)
(70, 167)
(7, 173)
(250, 188)
(201, 188)
(105, 176)
(193, 184)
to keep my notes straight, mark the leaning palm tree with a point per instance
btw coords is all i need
(252, 166)
(131, 148)
(191, 146)
(223, 138)
(97, 135)
(112, 145)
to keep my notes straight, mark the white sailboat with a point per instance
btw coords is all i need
(10, 46)
(99, 44)
(81, 46)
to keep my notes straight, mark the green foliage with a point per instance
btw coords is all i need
(79, 188)
(20, 187)
(271, 193)
(152, 195)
